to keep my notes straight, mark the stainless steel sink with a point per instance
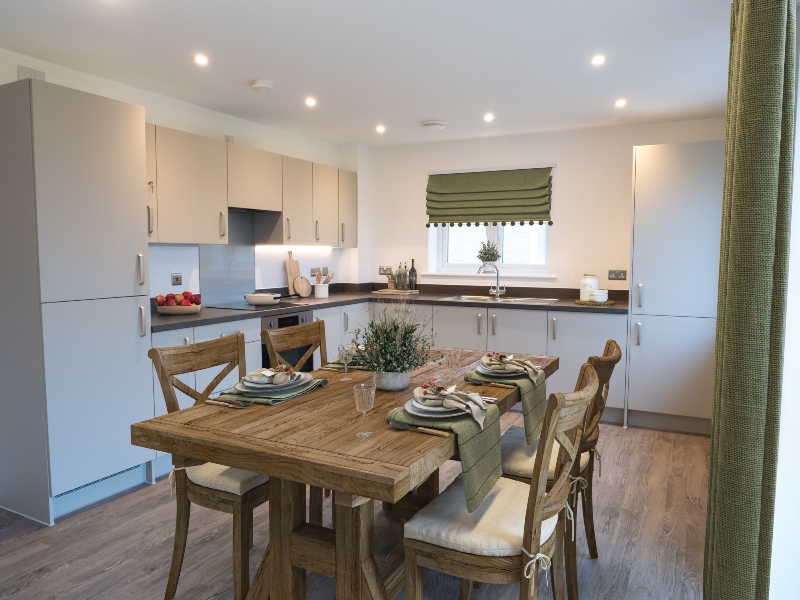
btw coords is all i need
(502, 300)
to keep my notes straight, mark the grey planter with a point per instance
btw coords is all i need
(391, 382)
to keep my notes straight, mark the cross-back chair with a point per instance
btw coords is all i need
(291, 338)
(234, 491)
(518, 529)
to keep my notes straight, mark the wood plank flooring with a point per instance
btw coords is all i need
(650, 508)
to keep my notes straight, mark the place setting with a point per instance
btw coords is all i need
(269, 386)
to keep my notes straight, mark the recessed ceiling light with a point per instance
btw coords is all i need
(201, 59)
(598, 59)
(380, 129)
(488, 117)
(311, 101)
(620, 103)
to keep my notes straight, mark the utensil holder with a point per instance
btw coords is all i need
(321, 290)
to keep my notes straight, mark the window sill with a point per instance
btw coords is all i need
(492, 276)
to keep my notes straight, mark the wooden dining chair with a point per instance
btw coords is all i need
(291, 338)
(519, 458)
(234, 491)
(518, 529)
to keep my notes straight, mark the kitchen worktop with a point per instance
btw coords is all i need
(210, 316)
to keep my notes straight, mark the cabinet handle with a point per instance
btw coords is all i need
(152, 186)
(342, 231)
(185, 341)
(638, 334)
(494, 324)
(554, 327)
(346, 322)
(222, 231)
(142, 322)
(479, 323)
(641, 294)
(140, 268)
(302, 319)
(317, 230)
(149, 219)
(272, 324)
(288, 228)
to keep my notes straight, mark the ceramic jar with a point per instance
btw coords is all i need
(589, 284)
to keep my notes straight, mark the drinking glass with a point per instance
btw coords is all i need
(345, 357)
(365, 398)
(451, 360)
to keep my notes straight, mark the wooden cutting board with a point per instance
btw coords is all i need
(292, 273)
(302, 286)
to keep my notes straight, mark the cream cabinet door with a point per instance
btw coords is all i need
(460, 327)
(517, 331)
(348, 209)
(152, 193)
(255, 179)
(297, 202)
(192, 184)
(325, 205)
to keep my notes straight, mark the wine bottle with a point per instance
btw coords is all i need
(412, 276)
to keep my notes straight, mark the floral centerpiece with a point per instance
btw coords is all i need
(392, 345)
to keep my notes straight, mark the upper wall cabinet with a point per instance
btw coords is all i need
(152, 194)
(255, 179)
(297, 202)
(325, 212)
(192, 182)
(348, 209)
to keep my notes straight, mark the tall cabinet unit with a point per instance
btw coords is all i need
(75, 338)
(674, 274)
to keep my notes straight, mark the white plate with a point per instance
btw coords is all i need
(438, 409)
(268, 384)
(411, 409)
(483, 370)
(251, 389)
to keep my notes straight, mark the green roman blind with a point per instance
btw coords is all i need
(490, 197)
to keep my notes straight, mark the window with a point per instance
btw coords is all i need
(523, 249)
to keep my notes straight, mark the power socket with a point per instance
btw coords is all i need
(177, 279)
(28, 73)
(618, 275)
(384, 270)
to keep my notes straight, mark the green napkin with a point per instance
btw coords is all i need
(479, 449)
(353, 366)
(534, 398)
(278, 397)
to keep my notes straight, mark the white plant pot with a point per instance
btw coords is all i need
(391, 382)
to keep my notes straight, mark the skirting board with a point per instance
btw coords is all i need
(650, 420)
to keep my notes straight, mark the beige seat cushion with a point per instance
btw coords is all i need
(518, 458)
(494, 529)
(225, 479)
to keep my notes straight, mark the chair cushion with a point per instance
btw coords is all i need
(225, 479)
(518, 458)
(494, 529)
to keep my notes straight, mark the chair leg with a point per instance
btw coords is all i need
(250, 532)
(557, 560)
(183, 510)
(476, 585)
(413, 576)
(571, 554)
(327, 493)
(242, 521)
(315, 505)
(588, 512)
(465, 593)
(529, 588)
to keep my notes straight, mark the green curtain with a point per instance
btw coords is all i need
(510, 196)
(752, 300)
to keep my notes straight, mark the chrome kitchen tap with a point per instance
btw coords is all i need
(496, 288)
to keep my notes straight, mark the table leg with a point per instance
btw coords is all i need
(430, 489)
(357, 575)
(287, 512)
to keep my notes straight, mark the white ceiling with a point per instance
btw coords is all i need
(397, 62)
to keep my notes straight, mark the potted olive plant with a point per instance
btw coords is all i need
(392, 345)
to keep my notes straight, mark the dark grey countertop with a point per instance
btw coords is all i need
(210, 316)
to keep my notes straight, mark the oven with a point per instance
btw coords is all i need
(281, 321)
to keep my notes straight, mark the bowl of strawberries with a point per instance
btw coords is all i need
(186, 303)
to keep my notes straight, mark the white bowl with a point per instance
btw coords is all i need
(178, 310)
(599, 296)
(262, 299)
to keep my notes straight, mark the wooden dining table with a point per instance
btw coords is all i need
(311, 441)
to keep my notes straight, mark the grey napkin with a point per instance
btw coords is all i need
(507, 364)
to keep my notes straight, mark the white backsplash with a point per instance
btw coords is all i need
(166, 259)
(271, 268)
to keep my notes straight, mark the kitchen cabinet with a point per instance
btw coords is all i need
(516, 331)
(676, 230)
(298, 227)
(167, 339)
(192, 180)
(354, 316)
(348, 209)
(325, 205)
(460, 327)
(99, 382)
(575, 336)
(150, 185)
(255, 179)
(672, 365)
(251, 328)
(333, 332)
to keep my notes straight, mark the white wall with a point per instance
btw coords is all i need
(592, 197)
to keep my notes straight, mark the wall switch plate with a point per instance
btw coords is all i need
(177, 279)
(618, 275)
(28, 73)
(384, 270)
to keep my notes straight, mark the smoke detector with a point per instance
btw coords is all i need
(262, 85)
(433, 124)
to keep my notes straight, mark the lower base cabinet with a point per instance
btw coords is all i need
(460, 327)
(333, 332)
(671, 367)
(575, 336)
(516, 331)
